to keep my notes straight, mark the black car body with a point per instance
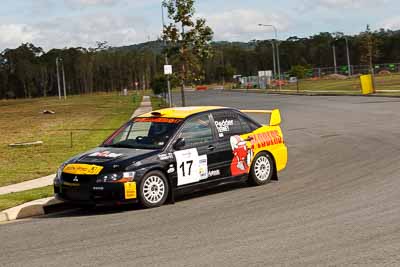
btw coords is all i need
(161, 153)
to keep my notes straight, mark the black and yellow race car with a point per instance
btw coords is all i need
(176, 150)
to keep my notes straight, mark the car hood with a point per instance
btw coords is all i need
(123, 157)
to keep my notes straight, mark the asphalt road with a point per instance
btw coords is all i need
(336, 204)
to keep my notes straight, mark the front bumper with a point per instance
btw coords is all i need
(106, 193)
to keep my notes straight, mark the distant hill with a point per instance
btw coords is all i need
(153, 46)
(158, 45)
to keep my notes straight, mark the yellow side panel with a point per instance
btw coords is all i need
(82, 169)
(268, 138)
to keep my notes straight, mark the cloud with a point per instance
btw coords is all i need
(82, 30)
(242, 24)
(392, 23)
(88, 3)
(13, 35)
(309, 5)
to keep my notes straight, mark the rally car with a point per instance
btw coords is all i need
(175, 150)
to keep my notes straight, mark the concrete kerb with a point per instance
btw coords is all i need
(309, 93)
(46, 205)
(29, 209)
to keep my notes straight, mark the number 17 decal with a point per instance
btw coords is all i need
(188, 166)
(188, 163)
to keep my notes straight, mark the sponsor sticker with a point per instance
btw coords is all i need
(159, 120)
(266, 139)
(167, 156)
(213, 173)
(203, 167)
(223, 126)
(105, 154)
(130, 190)
(98, 188)
(71, 184)
(82, 169)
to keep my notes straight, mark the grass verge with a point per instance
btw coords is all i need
(351, 85)
(158, 102)
(14, 199)
(80, 123)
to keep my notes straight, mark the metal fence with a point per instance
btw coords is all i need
(354, 70)
(384, 83)
(331, 79)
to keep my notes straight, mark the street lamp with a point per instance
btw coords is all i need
(166, 57)
(348, 55)
(273, 57)
(58, 77)
(277, 50)
(340, 35)
(58, 60)
(334, 56)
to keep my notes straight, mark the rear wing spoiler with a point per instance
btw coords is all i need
(275, 115)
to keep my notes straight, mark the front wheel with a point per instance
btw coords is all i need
(262, 169)
(153, 189)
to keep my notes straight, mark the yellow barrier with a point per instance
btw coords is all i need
(367, 86)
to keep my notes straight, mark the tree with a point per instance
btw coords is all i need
(369, 48)
(189, 40)
(299, 71)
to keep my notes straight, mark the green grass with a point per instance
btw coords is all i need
(90, 119)
(158, 103)
(14, 199)
(352, 85)
(387, 82)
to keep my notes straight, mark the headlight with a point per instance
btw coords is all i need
(120, 177)
(57, 179)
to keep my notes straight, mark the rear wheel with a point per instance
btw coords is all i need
(262, 169)
(153, 189)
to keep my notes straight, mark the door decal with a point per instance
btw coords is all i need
(191, 167)
(242, 156)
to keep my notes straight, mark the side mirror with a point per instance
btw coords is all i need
(179, 143)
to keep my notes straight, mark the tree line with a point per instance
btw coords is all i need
(29, 71)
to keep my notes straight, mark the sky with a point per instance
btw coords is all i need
(72, 23)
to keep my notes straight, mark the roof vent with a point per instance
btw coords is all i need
(156, 114)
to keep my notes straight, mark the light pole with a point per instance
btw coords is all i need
(340, 35)
(58, 78)
(273, 57)
(348, 56)
(277, 51)
(58, 60)
(334, 57)
(63, 77)
(166, 58)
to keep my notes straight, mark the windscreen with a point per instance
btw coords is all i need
(144, 133)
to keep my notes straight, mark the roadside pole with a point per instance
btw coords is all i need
(58, 79)
(334, 57)
(273, 58)
(63, 76)
(279, 65)
(169, 68)
(167, 73)
(348, 56)
(277, 50)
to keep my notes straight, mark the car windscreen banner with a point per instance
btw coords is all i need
(158, 120)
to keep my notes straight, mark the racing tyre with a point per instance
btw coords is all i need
(262, 169)
(153, 189)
